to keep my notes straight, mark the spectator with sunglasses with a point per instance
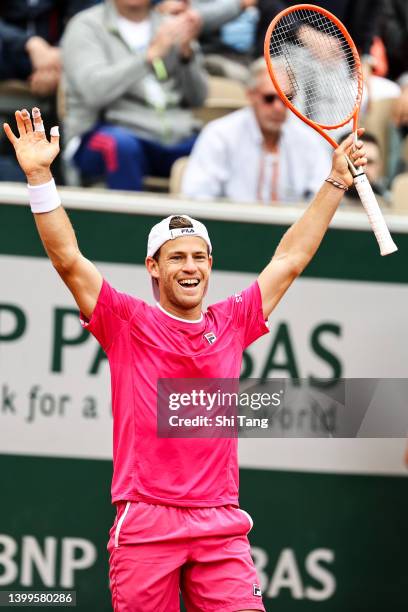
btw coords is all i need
(257, 154)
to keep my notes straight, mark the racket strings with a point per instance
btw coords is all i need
(313, 61)
(322, 25)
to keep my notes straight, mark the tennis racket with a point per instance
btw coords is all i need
(316, 70)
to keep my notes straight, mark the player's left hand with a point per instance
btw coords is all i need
(34, 152)
(356, 154)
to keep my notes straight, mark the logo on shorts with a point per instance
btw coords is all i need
(256, 590)
(210, 337)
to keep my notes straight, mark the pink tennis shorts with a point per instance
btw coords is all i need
(157, 551)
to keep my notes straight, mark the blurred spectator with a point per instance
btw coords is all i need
(130, 74)
(257, 153)
(29, 35)
(227, 34)
(214, 13)
(30, 31)
(374, 171)
(229, 49)
(394, 31)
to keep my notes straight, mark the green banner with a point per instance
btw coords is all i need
(243, 247)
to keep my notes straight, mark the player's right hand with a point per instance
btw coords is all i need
(34, 152)
(356, 153)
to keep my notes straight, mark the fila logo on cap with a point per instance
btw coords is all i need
(256, 590)
(187, 230)
(210, 337)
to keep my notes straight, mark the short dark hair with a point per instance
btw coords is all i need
(176, 222)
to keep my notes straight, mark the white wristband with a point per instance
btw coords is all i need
(44, 198)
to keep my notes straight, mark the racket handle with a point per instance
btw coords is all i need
(375, 216)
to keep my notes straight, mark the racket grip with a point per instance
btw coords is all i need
(375, 216)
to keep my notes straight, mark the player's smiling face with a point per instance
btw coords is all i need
(183, 270)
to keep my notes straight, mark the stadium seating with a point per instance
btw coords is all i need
(224, 96)
(176, 176)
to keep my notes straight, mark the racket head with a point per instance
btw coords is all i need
(312, 58)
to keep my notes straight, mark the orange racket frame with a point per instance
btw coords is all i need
(354, 115)
(361, 183)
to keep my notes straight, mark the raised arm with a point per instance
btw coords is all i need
(302, 240)
(35, 155)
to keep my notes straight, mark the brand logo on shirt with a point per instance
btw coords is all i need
(256, 590)
(238, 297)
(210, 337)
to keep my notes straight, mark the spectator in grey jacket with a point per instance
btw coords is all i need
(131, 75)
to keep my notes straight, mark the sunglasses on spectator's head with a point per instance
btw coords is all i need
(271, 98)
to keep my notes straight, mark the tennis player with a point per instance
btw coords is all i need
(178, 524)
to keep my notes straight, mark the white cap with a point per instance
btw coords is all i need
(161, 233)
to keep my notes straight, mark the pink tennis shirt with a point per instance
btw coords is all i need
(143, 344)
